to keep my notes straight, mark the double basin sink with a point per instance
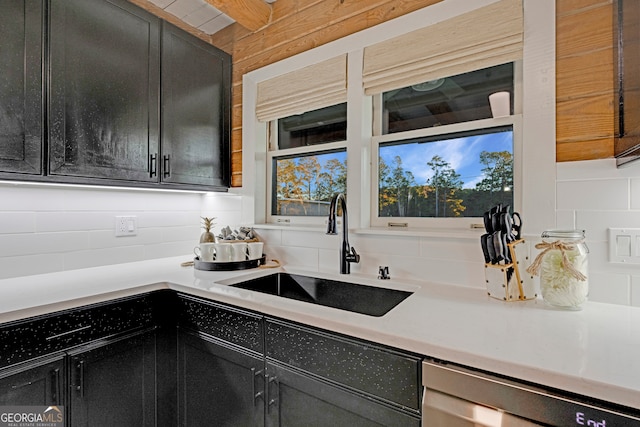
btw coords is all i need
(369, 300)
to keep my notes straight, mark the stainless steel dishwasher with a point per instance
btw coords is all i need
(455, 396)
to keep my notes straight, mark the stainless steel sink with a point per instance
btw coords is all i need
(369, 300)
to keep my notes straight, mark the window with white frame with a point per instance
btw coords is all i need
(308, 162)
(423, 58)
(439, 151)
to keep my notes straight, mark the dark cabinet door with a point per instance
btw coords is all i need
(114, 385)
(104, 91)
(21, 87)
(295, 399)
(34, 384)
(218, 386)
(195, 110)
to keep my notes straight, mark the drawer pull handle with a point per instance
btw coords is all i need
(259, 394)
(53, 337)
(274, 400)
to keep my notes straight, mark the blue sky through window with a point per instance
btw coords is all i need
(462, 154)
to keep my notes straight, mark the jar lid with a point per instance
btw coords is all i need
(563, 234)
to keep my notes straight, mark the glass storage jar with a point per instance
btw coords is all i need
(563, 268)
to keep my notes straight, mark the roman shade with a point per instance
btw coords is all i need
(309, 88)
(488, 36)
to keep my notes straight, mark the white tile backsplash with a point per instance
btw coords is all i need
(592, 195)
(47, 229)
(606, 194)
(55, 228)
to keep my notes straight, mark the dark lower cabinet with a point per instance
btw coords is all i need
(295, 399)
(114, 385)
(37, 383)
(218, 386)
(168, 359)
(299, 377)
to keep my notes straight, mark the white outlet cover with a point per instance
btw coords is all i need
(126, 226)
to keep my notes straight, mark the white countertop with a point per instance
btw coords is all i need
(594, 352)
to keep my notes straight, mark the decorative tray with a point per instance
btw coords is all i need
(228, 266)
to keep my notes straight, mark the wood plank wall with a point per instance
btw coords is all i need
(584, 53)
(584, 79)
(299, 25)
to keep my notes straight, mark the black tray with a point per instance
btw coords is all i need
(228, 266)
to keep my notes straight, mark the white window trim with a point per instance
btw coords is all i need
(538, 119)
(456, 224)
(297, 151)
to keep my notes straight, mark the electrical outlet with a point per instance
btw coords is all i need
(126, 226)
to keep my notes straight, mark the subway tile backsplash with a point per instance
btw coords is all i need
(55, 228)
(591, 195)
(47, 229)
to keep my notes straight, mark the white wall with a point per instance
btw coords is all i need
(54, 228)
(595, 196)
(47, 229)
(592, 195)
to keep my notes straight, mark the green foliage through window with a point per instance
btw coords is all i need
(304, 185)
(453, 176)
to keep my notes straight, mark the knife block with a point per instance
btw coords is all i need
(511, 282)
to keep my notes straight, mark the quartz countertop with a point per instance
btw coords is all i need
(593, 352)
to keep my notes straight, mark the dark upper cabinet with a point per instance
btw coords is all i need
(21, 110)
(627, 124)
(195, 110)
(104, 90)
(134, 101)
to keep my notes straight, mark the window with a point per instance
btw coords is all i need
(460, 176)
(440, 153)
(308, 162)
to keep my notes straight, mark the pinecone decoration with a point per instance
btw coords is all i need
(207, 236)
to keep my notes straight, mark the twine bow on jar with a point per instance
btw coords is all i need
(534, 268)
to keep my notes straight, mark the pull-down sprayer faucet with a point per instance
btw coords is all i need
(347, 253)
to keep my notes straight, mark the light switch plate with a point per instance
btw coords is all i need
(624, 245)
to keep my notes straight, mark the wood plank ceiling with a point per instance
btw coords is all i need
(211, 16)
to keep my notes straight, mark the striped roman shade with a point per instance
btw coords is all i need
(482, 38)
(310, 88)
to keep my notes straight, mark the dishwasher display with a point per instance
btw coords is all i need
(455, 396)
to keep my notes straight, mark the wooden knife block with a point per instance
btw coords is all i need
(511, 282)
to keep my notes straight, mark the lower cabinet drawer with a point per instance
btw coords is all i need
(387, 374)
(228, 324)
(29, 338)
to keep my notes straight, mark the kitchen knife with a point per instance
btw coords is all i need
(485, 249)
(497, 247)
(517, 225)
(505, 248)
(487, 222)
(491, 249)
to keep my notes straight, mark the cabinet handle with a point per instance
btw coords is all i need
(80, 386)
(153, 167)
(55, 386)
(259, 394)
(62, 334)
(166, 166)
(271, 401)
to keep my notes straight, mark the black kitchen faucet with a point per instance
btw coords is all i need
(347, 254)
